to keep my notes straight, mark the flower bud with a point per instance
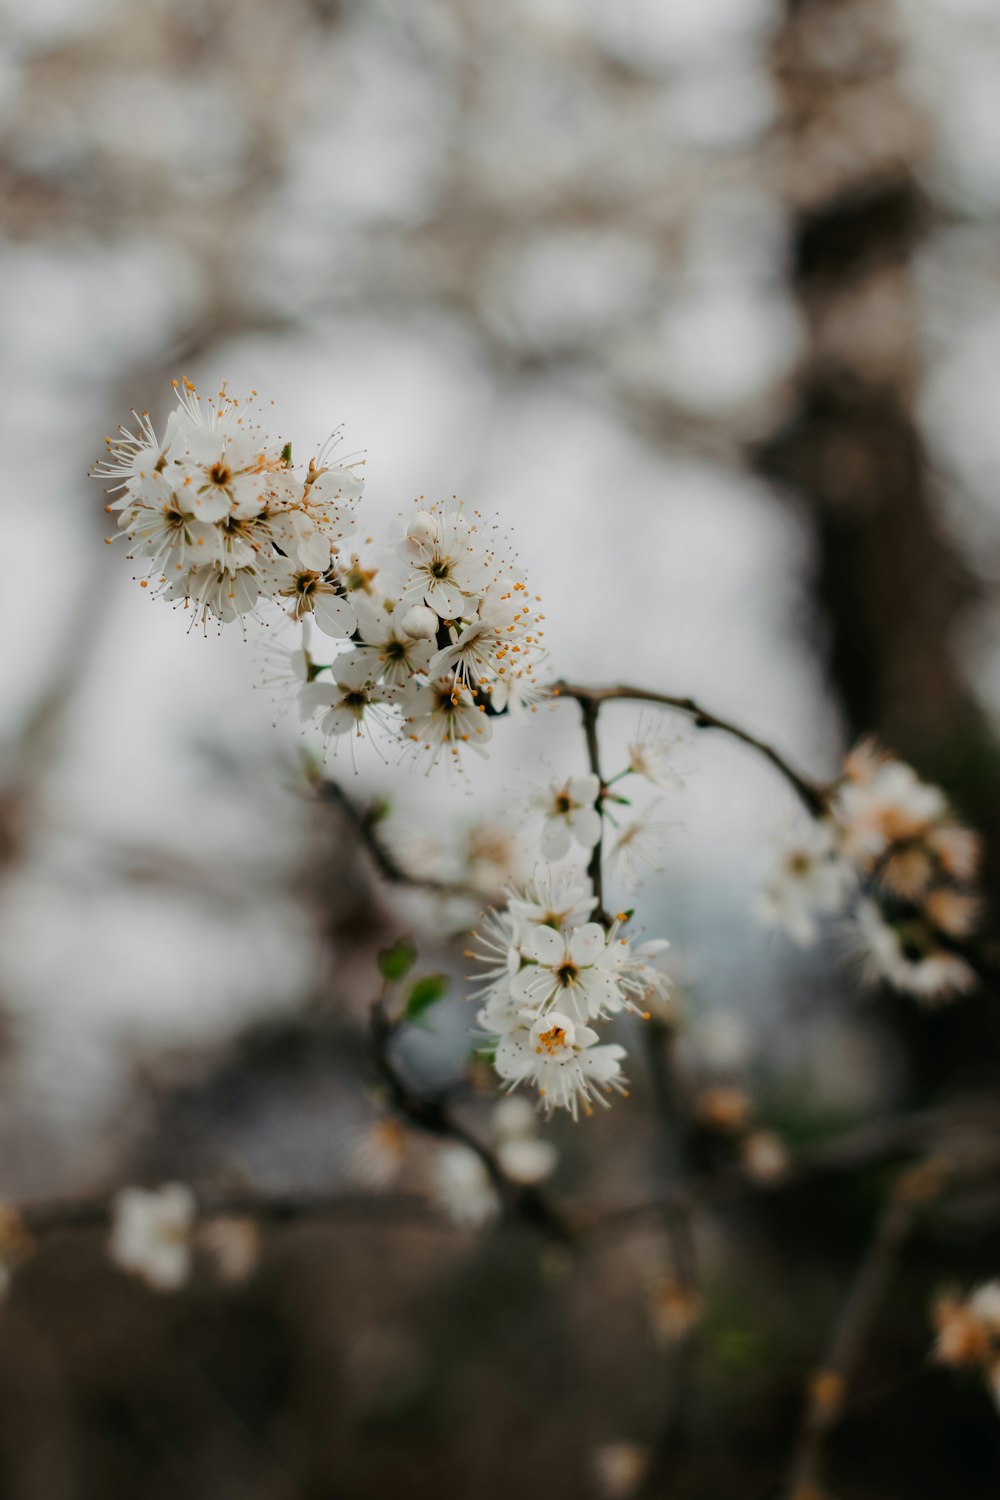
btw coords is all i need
(420, 623)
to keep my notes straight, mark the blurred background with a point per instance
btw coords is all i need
(703, 298)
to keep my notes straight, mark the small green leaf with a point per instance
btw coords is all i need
(426, 991)
(396, 962)
(286, 455)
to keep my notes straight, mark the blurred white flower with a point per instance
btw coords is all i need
(806, 879)
(765, 1157)
(651, 754)
(462, 1186)
(907, 955)
(637, 846)
(619, 1469)
(151, 1234)
(521, 1152)
(882, 801)
(234, 1245)
(968, 1333)
(378, 1152)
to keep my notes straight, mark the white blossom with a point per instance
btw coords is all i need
(393, 654)
(151, 1234)
(523, 1154)
(439, 715)
(651, 755)
(906, 955)
(569, 814)
(574, 972)
(807, 878)
(637, 846)
(884, 803)
(563, 1060)
(462, 1186)
(350, 701)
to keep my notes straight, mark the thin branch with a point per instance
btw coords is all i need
(49, 1216)
(825, 1402)
(364, 824)
(813, 794)
(677, 1210)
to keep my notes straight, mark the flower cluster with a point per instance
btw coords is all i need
(549, 977)
(440, 633)
(889, 849)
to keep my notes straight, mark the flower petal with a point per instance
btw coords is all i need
(544, 945)
(585, 825)
(587, 943)
(555, 838)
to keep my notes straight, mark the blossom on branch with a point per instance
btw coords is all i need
(151, 1234)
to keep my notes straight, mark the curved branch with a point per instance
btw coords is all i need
(363, 822)
(813, 794)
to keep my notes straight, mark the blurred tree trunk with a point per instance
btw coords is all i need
(890, 580)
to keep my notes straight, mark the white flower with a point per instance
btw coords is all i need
(321, 596)
(551, 900)
(637, 846)
(570, 814)
(151, 1234)
(806, 878)
(462, 1186)
(497, 640)
(563, 1060)
(135, 463)
(392, 654)
(439, 714)
(215, 591)
(651, 755)
(907, 956)
(573, 972)
(173, 539)
(219, 463)
(446, 562)
(351, 700)
(647, 989)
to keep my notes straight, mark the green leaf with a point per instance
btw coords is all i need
(286, 455)
(426, 991)
(396, 962)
